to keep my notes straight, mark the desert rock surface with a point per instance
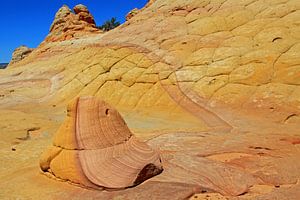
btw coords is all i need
(213, 84)
(20, 53)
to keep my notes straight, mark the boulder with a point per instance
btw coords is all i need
(95, 148)
(20, 53)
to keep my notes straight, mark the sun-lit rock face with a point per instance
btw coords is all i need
(213, 84)
(20, 53)
(95, 148)
(214, 54)
(132, 13)
(84, 14)
(68, 24)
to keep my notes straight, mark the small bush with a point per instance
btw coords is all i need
(109, 24)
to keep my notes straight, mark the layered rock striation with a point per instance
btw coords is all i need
(95, 148)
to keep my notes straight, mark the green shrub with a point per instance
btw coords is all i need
(109, 24)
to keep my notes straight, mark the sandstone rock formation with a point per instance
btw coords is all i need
(132, 13)
(84, 14)
(67, 24)
(20, 53)
(213, 84)
(95, 148)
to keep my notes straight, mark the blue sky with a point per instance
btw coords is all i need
(28, 22)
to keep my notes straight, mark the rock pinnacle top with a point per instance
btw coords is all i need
(68, 24)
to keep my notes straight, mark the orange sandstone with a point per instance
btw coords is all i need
(95, 148)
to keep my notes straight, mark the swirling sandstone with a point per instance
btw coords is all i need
(95, 148)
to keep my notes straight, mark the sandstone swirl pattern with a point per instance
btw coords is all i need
(95, 148)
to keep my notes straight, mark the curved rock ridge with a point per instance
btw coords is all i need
(95, 148)
(68, 24)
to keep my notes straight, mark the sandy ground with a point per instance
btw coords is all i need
(265, 161)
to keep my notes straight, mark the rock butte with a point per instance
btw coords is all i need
(212, 84)
(94, 147)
